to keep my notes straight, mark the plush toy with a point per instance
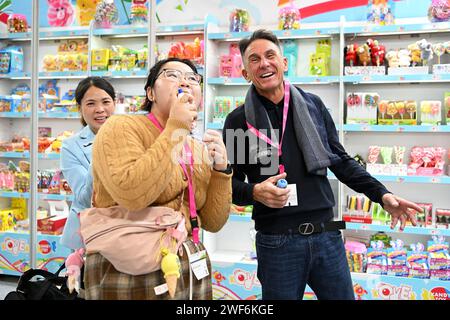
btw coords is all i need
(74, 262)
(404, 60)
(392, 58)
(350, 54)
(426, 50)
(415, 54)
(85, 11)
(364, 54)
(60, 13)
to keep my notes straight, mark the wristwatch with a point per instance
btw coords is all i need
(228, 169)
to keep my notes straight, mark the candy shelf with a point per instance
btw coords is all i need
(408, 229)
(26, 154)
(394, 128)
(42, 196)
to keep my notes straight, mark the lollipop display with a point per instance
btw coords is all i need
(106, 14)
(382, 107)
(411, 108)
(399, 153)
(391, 109)
(386, 154)
(439, 49)
(374, 152)
(139, 12)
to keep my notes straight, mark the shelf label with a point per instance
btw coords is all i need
(364, 227)
(401, 78)
(287, 33)
(400, 129)
(434, 129)
(401, 28)
(435, 180)
(400, 179)
(365, 128)
(437, 77)
(435, 232)
(227, 35)
(366, 78)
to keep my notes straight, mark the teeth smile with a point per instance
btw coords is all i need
(266, 75)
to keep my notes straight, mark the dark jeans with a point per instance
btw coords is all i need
(287, 262)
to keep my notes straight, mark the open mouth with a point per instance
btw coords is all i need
(267, 75)
(101, 118)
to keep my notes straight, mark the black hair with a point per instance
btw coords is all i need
(84, 86)
(154, 73)
(258, 34)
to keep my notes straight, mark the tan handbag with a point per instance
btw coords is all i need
(131, 240)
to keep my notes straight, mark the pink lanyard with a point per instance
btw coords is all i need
(190, 178)
(262, 136)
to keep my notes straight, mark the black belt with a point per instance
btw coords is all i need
(308, 228)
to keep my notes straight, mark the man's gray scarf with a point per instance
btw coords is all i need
(314, 146)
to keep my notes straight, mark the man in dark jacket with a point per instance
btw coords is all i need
(282, 132)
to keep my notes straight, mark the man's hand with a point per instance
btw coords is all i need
(400, 209)
(270, 195)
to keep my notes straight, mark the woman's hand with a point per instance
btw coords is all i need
(183, 109)
(216, 149)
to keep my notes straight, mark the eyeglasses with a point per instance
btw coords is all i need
(176, 75)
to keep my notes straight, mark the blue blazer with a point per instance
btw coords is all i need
(76, 154)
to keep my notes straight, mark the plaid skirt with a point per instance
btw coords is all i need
(103, 282)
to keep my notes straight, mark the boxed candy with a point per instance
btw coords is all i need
(396, 256)
(430, 112)
(426, 161)
(11, 60)
(376, 258)
(397, 112)
(362, 107)
(442, 217)
(417, 261)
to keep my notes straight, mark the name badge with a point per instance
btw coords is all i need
(292, 200)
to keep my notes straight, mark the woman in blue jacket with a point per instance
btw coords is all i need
(95, 98)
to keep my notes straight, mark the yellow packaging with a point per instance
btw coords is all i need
(100, 59)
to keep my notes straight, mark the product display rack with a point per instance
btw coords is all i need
(230, 248)
(129, 82)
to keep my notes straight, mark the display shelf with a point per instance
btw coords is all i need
(281, 34)
(142, 31)
(386, 228)
(292, 80)
(394, 128)
(46, 115)
(63, 75)
(16, 76)
(407, 78)
(240, 218)
(26, 154)
(42, 196)
(397, 28)
(25, 36)
(63, 33)
(415, 179)
(230, 256)
(138, 74)
(384, 287)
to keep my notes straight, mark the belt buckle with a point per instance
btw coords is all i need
(306, 228)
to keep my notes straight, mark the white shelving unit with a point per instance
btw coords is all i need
(233, 243)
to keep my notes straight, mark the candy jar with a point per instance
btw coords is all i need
(239, 20)
(17, 23)
(289, 18)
